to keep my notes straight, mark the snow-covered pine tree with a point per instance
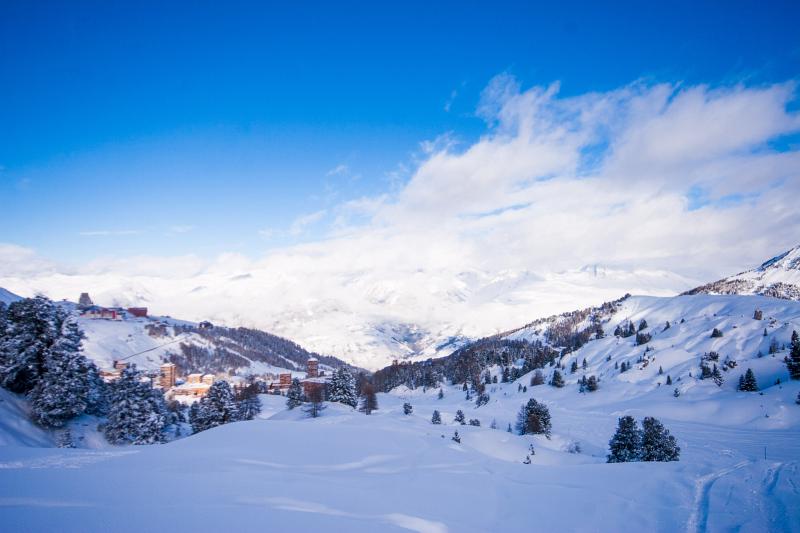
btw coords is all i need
(716, 375)
(342, 388)
(67, 385)
(459, 418)
(441, 392)
(32, 326)
(248, 403)
(218, 407)
(625, 446)
(294, 396)
(657, 443)
(592, 384)
(137, 414)
(64, 439)
(436, 418)
(534, 418)
(557, 380)
(574, 367)
(716, 333)
(747, 382)
(669, 380)
(793, 360)
(407, 408)
(369, 401)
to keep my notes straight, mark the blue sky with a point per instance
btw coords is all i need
(202, 128)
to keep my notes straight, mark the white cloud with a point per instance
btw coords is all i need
(181, 228)
(473, 238)
(109, 233)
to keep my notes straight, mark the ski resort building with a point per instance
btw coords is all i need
(139, 312)
(96, 312)
(168, 375)
(312, 367)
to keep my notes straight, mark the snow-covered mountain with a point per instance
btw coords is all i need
(779, 277)
(7, 297)
(363, 317)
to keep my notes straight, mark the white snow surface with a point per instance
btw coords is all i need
(739, 467)
(7, 297)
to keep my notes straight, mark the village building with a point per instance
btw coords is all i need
(139, 312)
(96, 312)
(168, 375)
(85, 300)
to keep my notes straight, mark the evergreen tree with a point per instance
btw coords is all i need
(218, 407)
(716, 333)
(506, 374)
(342, 388)
(676, 392)
(642, 324)
(436, 418)
(591, 384)
(249, 404)
(669, 380)
(459, 419)
(758, 314)
(67, 387)
(482, 399)
(369, 401)
(557, 380)
(793, 360)
(716, 375)
(441, 392)
(534, 418)
(618, 331)
(657, 443)
(294, 396)
(625, 446)
(64, 439)
(137, 414)
(747, 382)
(508, 429)
(32, 327)
(474, 422)
(584, 365)
(574, 367)
(407, 408)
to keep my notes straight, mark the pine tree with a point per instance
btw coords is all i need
(716, 375)
(407, 408)
(32, 327)
(758, 314)
(584, 365)
(505, 375)
(715, 334)
(625, 446)
(574, 367)
(643, 325)
(369, 401)
(218, 407)
(249, 404)
(747, 382)
(441, 392)
(669, 380)
(657, 443)
(474, 422)
(64, 439)
(793, 360)
(137, 414)
(591, 384)
(557, 380)
(676, 392)
(294, 396)
(456, 437)
(342, 388)
(436, 418)
(67, 386)
(459, 419)
(534, 418)
(508, 429)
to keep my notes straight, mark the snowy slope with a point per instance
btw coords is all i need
(779, 277)
(390, 472)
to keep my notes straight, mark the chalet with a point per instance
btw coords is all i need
(96, 312)
(139, 312)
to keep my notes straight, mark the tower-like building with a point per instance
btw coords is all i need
(168, 375)
(84, 300)
(312, 368)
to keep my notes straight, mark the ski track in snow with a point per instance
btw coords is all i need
(77, 460)
(412, 523)
(698, 520)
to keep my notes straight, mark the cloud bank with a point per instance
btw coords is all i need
(663, 185)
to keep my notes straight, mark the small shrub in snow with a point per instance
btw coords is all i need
(407, 408)
(436, 418)
(456, 437)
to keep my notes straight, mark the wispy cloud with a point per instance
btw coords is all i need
(109, 233)
(181, 228)
(301, 224)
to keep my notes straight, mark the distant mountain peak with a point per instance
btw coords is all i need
(778, 277)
